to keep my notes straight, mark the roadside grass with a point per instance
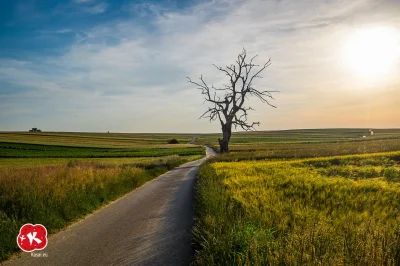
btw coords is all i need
(56, 195)
(342, 210)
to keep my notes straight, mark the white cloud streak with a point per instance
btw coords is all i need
(96, 9)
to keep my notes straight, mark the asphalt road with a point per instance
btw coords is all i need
(149, 226)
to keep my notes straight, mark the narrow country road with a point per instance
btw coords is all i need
(149, 226)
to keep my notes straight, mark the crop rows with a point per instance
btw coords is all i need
(19, 150)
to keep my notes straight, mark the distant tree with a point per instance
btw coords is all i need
(230, 108)
(173, 141)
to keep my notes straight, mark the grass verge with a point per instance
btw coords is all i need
(56, 195)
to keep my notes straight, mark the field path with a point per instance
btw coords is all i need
(149, 226)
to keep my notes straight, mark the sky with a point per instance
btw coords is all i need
(122, 65)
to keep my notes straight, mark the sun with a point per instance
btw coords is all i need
(372, 52)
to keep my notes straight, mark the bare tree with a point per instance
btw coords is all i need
(230, 108)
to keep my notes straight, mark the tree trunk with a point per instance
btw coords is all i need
(226, 136)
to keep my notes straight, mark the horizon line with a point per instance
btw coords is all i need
(186, 133)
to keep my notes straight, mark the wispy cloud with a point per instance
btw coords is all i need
(96, 9)
(83, 1)
(59, 31)
(145, 9)
(92, 6)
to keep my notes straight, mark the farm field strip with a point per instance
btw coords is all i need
(126, 140)
(308, 150)
(27, 162)
(88, 141)
(338, 139)
(21, 150)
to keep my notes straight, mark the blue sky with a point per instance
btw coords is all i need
(121, 66)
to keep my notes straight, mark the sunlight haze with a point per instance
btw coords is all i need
(372, 51)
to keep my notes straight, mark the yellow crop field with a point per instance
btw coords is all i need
(342, 210)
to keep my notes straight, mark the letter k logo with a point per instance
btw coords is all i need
(33, 237)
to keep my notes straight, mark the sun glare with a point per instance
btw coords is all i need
(372, 51)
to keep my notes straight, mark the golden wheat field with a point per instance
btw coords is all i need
(342, 210)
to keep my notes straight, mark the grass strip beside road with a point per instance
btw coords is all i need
(57, 195)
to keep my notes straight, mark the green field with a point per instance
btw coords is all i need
(56, 178)
(307, 197)
(23, 150)
(306, 143)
